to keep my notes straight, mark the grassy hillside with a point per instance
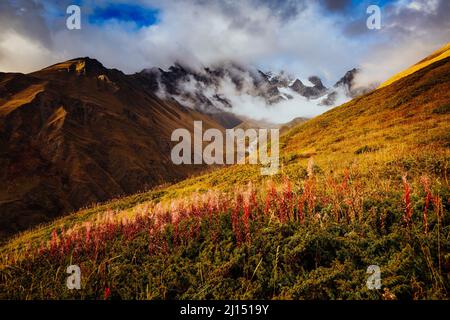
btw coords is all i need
(440, 54)
(363, 184)
(77, 133)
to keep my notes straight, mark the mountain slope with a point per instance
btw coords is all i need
(76, 133)
(363, 184)
(440, 54)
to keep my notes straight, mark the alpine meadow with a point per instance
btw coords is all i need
(90, 187)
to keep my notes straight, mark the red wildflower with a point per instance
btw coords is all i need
(235, 218)
(107, 293)
(407, 199)
(428, 196)
(246, 222)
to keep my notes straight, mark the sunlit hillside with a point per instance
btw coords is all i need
(363, 184)
(440, 54)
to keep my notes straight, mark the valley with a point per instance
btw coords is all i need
(365, 183)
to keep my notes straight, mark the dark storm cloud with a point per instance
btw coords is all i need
(426, 16)
(24, 17)
(356, 27)
(336, 5)
(288, 9)
(282, 9)
(285, 9)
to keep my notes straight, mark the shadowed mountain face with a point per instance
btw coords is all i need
(77, 133)
(173, 84)
(315, 91)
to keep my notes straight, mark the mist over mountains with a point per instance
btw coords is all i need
(248, 92)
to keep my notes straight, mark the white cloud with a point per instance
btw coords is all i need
(412, 30)
(304, 40)
(20, 53)
(426, 6)
(207, 32)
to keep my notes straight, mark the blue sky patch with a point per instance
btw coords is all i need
(140, 15)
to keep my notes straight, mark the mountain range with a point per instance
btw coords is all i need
(76, 133)
(211, 90)
(363, 184)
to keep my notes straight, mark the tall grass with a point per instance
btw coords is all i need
(175, 223)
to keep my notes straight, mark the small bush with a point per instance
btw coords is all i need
(366, 149)
(444, 109)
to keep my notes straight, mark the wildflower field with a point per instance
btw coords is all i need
(363, 184)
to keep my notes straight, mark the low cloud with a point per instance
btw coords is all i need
(245, 92)
(324, 38)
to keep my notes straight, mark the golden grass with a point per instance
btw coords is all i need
(440, 54)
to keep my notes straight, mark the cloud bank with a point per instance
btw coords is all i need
(324, 38)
